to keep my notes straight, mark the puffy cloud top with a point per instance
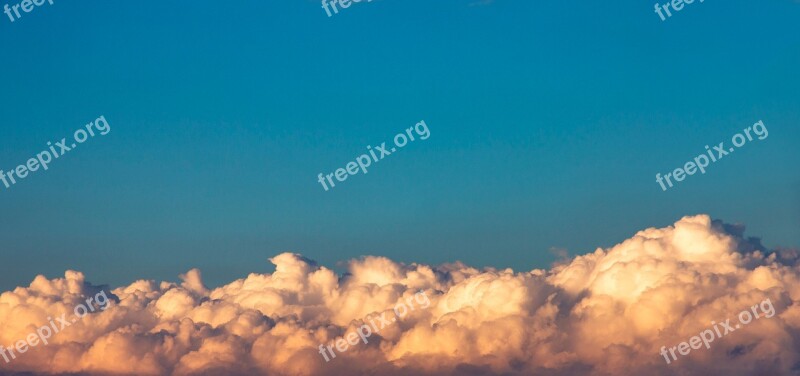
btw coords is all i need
(604, 313)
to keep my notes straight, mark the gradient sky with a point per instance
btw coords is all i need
(548, 120)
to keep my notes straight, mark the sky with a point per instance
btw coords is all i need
(548, 124)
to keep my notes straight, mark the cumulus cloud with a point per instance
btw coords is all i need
(608, 312)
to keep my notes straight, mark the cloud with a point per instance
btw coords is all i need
(607, 312)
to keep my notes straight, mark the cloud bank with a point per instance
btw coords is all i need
(604, 313)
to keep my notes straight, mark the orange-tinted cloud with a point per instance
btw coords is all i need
(604, 313)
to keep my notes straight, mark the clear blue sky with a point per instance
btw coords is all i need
(548, 120)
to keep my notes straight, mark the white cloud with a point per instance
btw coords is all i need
(606, 312)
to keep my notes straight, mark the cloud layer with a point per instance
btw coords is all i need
(604, 313)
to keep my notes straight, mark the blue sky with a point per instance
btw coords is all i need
(548, 121)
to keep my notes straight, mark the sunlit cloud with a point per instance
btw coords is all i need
(605, 312)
